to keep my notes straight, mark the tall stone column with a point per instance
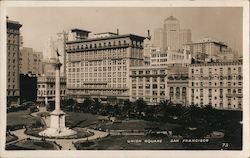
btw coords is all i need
(57, 117)
(57, 86)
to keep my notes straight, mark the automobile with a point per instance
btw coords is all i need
(33, 109)
(28, 103)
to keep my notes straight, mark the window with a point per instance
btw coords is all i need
(162, 86)
(239, 91)
(171, 90)
(162, 93)
(154, 86)
(162, 79)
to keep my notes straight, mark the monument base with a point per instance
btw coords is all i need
(54, 132)
(57, 126)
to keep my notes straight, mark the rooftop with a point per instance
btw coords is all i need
(108, 37)
(171, 18)
(80, 30)
(101, 33)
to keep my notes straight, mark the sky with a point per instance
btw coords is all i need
(39, 23)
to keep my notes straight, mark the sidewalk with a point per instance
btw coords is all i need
(65, 143)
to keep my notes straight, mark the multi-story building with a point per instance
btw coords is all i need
(149, 83)
(218, 84)
(13, 44)
(173, 36)
(205, 48)
(185, 36)
(164, 58)
(177, 84)
(46, 88)
(30, 62)
(158, 37)
(99, 66)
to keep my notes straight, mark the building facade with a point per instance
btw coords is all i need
(30, 62)
(99, 67)
(149, 83)
(205, 48)
(158, 37)
(218, 84)
(164, 58)
(46, 88)
(177, 84)
(13, 50)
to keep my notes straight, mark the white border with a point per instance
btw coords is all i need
(127, 153)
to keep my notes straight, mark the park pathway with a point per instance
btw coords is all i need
(66, 144)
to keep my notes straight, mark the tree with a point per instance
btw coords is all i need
(87, 103)
(140, 105)
(127, 107)
(96, 106)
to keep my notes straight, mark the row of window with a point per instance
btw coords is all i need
(98, 63)
(72, 85)
(222, 70)
(214, 77)
(229, 84)
(148, 86)
(97, 92)
(148, 79)
(50, 92)
(148, 72)
(103, 45)
(234, 91)
(50, 86)
(104, 68)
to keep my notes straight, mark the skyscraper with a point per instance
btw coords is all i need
(173, 36)
(13, 44)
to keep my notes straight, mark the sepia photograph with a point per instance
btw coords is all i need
(140, 78)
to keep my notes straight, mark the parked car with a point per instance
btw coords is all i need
(34, 109)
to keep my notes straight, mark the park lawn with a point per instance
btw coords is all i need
(81, 119)
(160, 143)
(33, 145)
(21, 118)
(138, 125)
(10, 138)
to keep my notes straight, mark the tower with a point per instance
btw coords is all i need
(171, 31)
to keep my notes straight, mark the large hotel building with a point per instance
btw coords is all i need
(99, 66)
(13, 44)
(218, 84)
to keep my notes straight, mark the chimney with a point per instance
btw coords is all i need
(117, 31)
